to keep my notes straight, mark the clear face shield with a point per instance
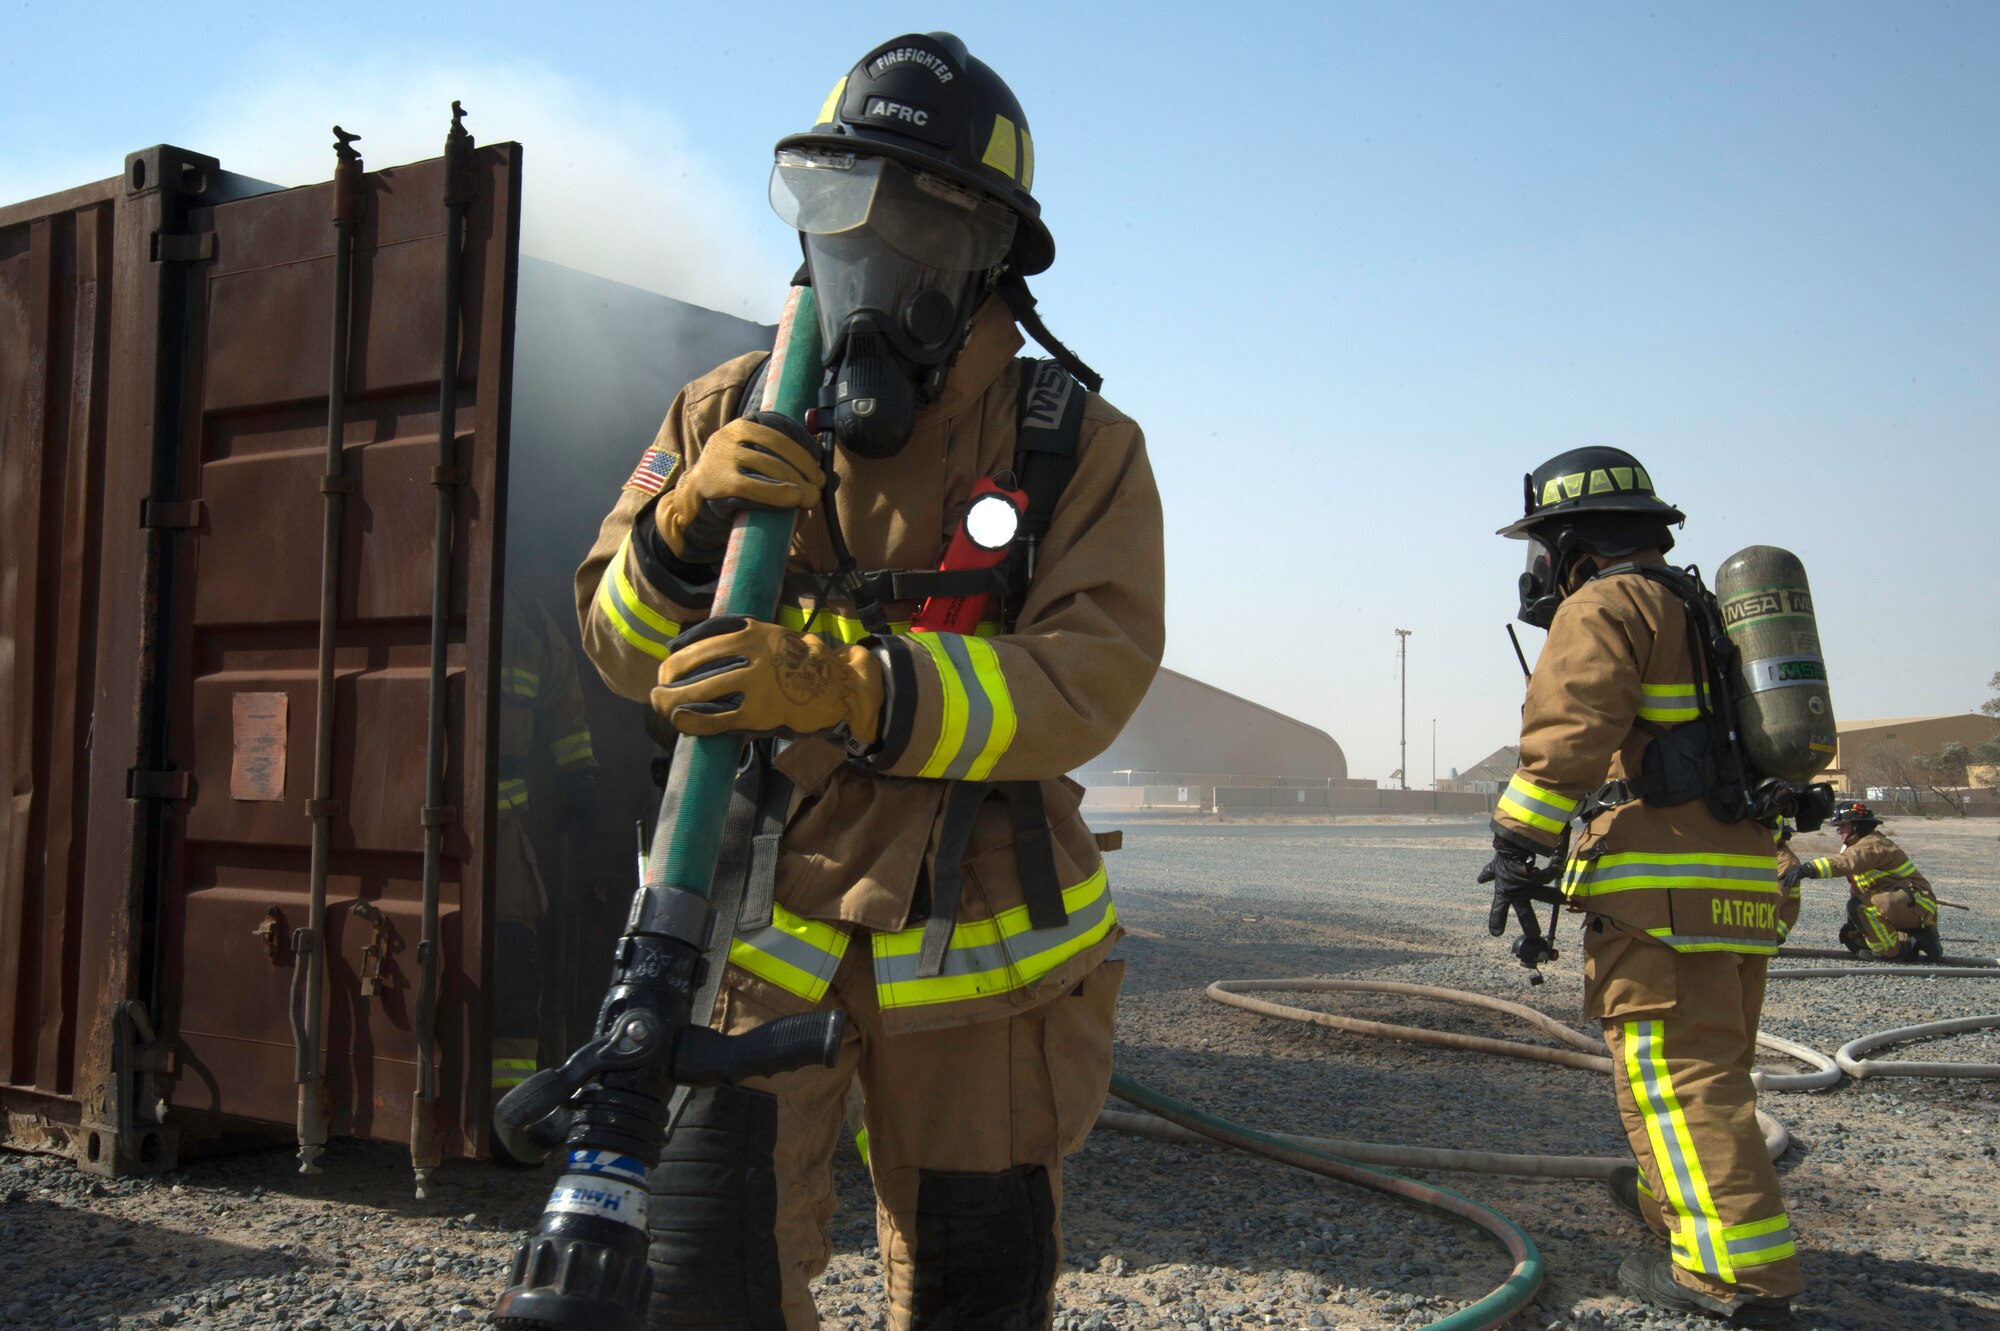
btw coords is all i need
(892, 250)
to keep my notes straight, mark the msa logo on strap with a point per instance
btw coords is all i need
(1048, 397)
(881, 108)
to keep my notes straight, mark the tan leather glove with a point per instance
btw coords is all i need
(764, 460)
(732, 674)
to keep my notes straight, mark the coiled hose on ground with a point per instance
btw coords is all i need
(1171, 1120)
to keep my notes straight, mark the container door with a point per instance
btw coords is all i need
(240, 693)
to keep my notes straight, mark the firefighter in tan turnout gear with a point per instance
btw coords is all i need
(1682, 910)
(545, 748)
(931, 873)
(1891, 909)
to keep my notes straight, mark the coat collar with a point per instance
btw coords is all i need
(989, 346)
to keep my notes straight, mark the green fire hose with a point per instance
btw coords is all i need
(1513, 1294)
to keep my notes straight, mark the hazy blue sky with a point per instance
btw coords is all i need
(1355, 267)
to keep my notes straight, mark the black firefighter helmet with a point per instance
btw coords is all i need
(1854, 814)
(1589, 502)
(924, 101)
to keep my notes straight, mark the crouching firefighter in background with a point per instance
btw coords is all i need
(902, 845)
(1673, 867)
(1891, 909)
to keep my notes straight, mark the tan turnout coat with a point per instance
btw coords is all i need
(1030, 704)
(1617, 655)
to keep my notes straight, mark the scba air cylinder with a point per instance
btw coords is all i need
(1784, 712)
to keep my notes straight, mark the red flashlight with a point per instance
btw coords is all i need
(984, 534)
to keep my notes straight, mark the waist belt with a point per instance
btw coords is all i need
(886, 585)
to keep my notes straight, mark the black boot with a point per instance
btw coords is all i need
(1624, 1186)
(1929, 946)
(1650, 1276)
(1850, 938)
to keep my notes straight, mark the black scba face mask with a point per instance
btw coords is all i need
(899, 262)
(1541, 585)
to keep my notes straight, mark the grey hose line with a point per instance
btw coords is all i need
(1776, 1139)
(1850, 1053)
(1394, 1156)
(1842, 954)
(1936, 972)
(1825, 1072)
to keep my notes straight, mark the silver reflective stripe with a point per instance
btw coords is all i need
(982, 958)
(1777, 1238)
(1696, 940)
(1543, 807)
(792, 950)
(1758, 876)
(978, 708)
(1655, 1107)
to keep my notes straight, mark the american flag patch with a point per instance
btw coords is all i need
(655, 469)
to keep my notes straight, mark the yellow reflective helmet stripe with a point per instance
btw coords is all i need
(1002, 152)
(1027, 159)
(831, 105)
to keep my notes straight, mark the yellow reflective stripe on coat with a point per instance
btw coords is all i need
(1873, 876)
(1670, 703)
(636, 622)
(573, 750)
(796, 954)
(1529, 803)
(513, 793)
(988, 957)
(1703, 871)
(846, 629)
(1822, 867)
(511, 1072)
(978, 720)
(1699, 1239)
(520, 683)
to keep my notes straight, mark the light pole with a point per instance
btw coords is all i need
(1403, 723)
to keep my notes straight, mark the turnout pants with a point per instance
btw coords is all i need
(1682, 1029)
(1884, 918)
(520, 902)
(967, 1129)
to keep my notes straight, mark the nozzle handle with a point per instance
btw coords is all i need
(707, 1058)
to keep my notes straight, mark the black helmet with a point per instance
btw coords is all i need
(1854, 814)
(923, 101)
(1588, 480)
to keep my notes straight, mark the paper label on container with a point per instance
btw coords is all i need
(257, 759)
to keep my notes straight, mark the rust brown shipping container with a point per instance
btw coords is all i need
(165, 338)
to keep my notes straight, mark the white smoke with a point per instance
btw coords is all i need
(611, 185)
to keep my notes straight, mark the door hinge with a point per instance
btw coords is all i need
(183, 246)
(169, 785)
(171, 514)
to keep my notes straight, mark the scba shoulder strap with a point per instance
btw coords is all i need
(1048, 435)
(1699, 758)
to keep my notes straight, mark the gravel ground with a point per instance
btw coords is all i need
(1891, 1183)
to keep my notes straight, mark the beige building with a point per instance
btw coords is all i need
(1877, 753)
(1190, 733)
